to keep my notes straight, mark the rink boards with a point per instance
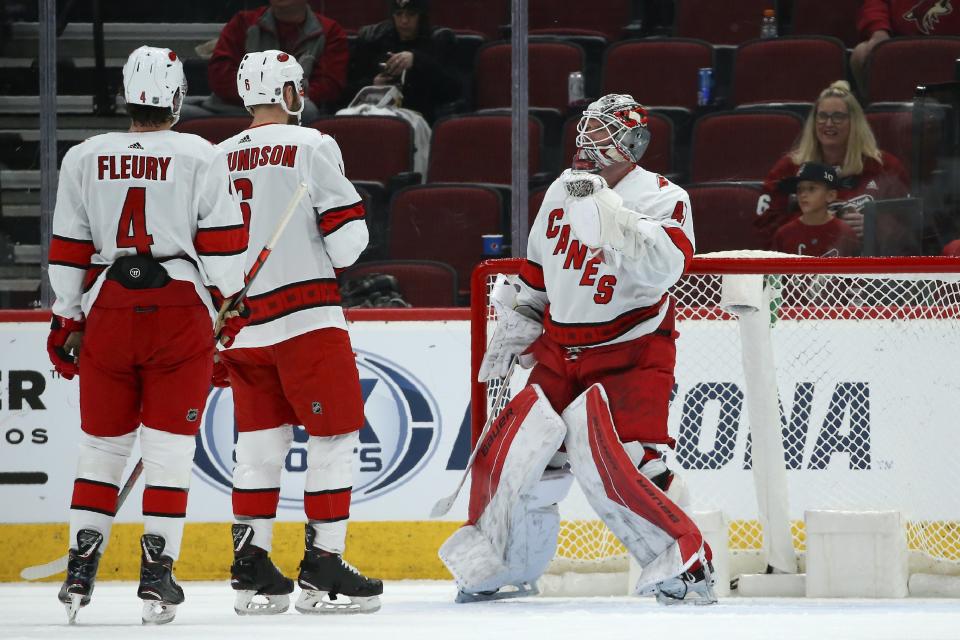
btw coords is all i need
(415, 380)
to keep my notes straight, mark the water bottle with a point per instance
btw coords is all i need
(575, 89)
(768, 27)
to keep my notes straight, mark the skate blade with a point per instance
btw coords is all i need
(250, 603)
(313, 602)
(76, 601)
(158, 612)
(504, 593)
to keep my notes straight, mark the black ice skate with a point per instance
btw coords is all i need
(690, 587)
(81, 572)
(159, 591)
(330, 585)
(261, 588)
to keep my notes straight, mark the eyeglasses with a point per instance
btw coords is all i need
(836, 117)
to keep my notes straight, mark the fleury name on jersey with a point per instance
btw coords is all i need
(133, 167)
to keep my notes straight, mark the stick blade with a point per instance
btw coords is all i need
(442, 507)
(41, 571)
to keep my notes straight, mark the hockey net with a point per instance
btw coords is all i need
(866, 353)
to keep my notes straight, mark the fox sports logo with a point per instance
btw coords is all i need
(399, 435)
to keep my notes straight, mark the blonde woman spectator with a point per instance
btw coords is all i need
(836, 134)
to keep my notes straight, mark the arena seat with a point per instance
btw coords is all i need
(352, 14)
(896, 66)
(478, 148)
(374, 148)
(723, 215)
(657, 72)
(605, 18)
(788, 69)
(215, 129)
(485, 17)
(423, 283)
(444, 222)
(719, 22)
(550, 63)
(834, 18)
(741, 145)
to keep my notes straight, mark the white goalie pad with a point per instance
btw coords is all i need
(662, 538)
(511, 534)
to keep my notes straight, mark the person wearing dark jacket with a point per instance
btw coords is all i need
(405, 51)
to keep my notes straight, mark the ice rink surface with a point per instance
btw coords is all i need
(421, 610)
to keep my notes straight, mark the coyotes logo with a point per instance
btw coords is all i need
(927, 13)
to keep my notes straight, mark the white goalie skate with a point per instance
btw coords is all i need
(522, 590)
(691, 587)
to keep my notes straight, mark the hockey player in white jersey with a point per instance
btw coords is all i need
(590, 308)
(145, 220)
(294, 364)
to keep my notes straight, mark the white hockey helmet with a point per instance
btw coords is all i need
(262, 76)
(153, 77)
(613, 129)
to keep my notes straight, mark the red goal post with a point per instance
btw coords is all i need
(865, 354)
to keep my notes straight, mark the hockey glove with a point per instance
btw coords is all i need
(231, 322)
(514, 333)
(63, 345)
(220, 377)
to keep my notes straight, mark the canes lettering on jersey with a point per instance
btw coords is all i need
(576, 258)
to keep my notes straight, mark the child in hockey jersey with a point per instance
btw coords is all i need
(817, 232)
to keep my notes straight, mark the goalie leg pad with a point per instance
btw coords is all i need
(663, 539)
(511, 533)
(256, 480)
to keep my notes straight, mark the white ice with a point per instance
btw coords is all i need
(422, 610)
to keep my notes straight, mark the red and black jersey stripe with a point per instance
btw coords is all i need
(256, 503)
(221, 241)
(96, 496)
(682, 242)
(165, 502)
(71, 252)
(330, 505)
(332, 219)
(584, 334)
(531, 274)
(297, 296)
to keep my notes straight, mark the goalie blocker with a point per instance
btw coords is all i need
(511, 534)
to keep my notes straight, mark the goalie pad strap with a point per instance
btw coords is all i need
(510, 536)
(663, 539)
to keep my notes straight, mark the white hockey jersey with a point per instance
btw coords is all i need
(160, 193)
(296, 291)
(587, 298)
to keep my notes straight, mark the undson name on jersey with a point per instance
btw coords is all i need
(284, 155)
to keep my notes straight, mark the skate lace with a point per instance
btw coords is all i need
(349, 566)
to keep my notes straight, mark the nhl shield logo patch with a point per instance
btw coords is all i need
(192, 415)
(317, 408)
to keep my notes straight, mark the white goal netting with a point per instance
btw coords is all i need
(866, 355)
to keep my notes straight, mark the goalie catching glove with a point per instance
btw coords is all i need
(517, 328)
(599, 219)
(63, 345)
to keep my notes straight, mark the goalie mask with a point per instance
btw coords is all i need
(612, 129)
(153, 77)
(263, 75)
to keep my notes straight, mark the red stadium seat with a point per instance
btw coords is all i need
(792, 69)
(215, 129)
(444, 222)
(834, 18)
(897, 129)
(719, 22)
(741, 145)
(657, 72)
(485, 17)
(723, 215)
(423, 283)
(549, 65)
(895, 67)
(352, 14)
(658, 157)
(478, 148)
(374, 148)
(605, 18)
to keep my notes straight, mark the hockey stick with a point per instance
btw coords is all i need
(38, 572)
(443, 506)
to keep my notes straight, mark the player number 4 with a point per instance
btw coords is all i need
(132, 231)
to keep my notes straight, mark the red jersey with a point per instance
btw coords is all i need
(325, 72)
(877, 181)
(910, 17)
(831, 240)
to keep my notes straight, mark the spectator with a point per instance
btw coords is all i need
(837, 134)
(404, 50)
(318, 43)
(952, 248)
(817, 232)
(880, 20)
